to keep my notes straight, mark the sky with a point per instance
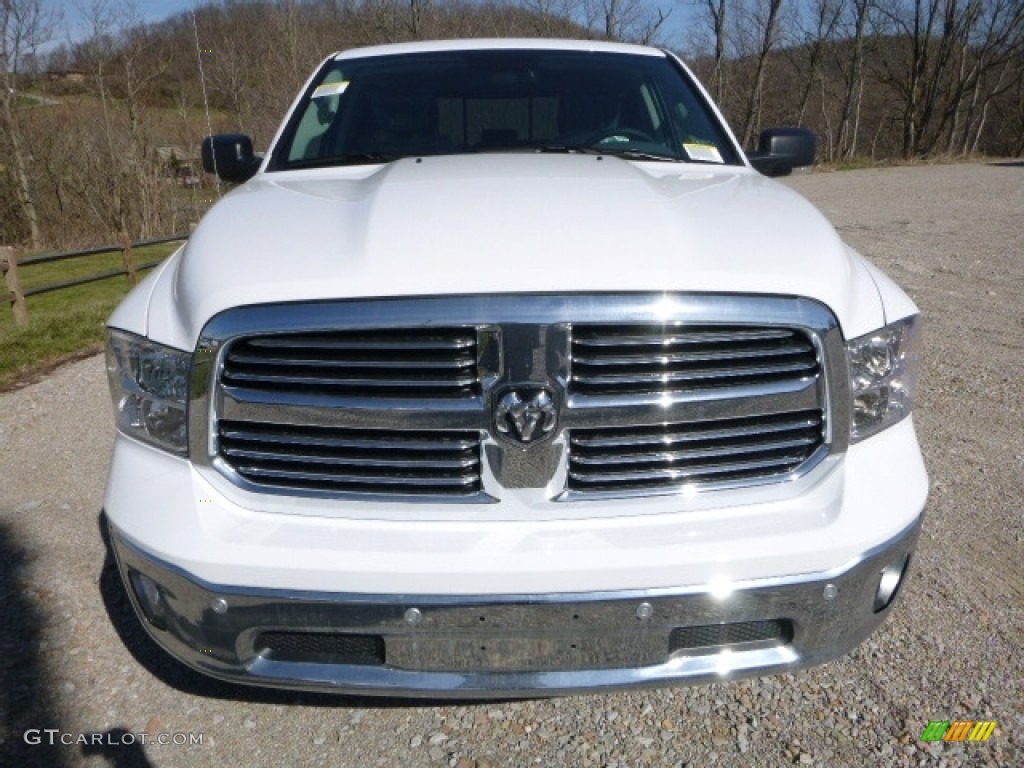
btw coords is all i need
(73, 26)
(155, 10)
(148, 11)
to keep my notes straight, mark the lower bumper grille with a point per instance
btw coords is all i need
(320, 647)
(525, 649)
(663, 456)
(718, 636)
(364, 461)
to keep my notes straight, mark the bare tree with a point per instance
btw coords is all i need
(926, 34)
(550, 14)
(294, 40)
(718, 10)
(24, 26)
(853, 92)
(63, 186)
(623, 20)
(767, 26)
(124, 60)
(141, 60)
(1017, 113)
(219, 57)
(814, 34)
(991, 37)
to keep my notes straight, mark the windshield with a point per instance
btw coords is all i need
(377, 109)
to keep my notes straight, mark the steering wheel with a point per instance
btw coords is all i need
(630, 134)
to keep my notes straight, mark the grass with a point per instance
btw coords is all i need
(65, 324)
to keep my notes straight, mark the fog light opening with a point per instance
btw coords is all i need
(147, 593)
(890, 582)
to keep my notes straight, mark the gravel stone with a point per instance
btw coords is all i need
(73, 657)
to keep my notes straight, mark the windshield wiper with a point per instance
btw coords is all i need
(628, 154)
(566, 149)
(636, 154)
(363, 158)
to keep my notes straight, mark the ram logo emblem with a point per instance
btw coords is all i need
(525, 414)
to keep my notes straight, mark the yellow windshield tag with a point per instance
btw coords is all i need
(330, 89)
(706, 153)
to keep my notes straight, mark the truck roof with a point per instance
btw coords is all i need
(498, 44)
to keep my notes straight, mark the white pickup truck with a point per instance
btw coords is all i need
(507, 372)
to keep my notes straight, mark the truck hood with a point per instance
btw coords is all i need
(507, 223)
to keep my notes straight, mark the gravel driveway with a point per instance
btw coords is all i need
(73, 659)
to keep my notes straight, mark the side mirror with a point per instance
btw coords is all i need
(780, 150)
(230, 156)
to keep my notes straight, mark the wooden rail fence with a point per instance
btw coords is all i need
(10, 265)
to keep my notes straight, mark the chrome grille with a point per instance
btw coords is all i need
(430, 362)
(366, 461)
(702, 452)
(656, 394)
(625, 359)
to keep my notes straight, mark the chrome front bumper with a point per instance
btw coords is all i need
(512, 645)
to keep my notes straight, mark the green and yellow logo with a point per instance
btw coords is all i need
(958, 730)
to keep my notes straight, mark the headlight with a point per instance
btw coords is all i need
(883, 376)
(149, 387)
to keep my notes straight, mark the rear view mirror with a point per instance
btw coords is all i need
(230, 156)
(780, 150)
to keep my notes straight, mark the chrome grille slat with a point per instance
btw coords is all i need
(353, 382)
(347, 344)
(449, 414)
(622, 459)
(405, 362)
(463, 361)
(631, 359)
(696, 433)
(402, 443)
(697, 453)
(693, 336)
(690, 357)
(707, 471)
(341, 478)
(349, 461)
(672, 377)
(322, 459)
